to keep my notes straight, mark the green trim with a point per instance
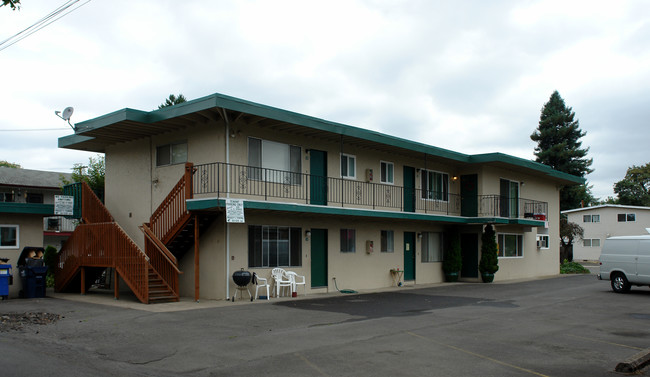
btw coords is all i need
(231, 103)
(214, 203)
(27, 208)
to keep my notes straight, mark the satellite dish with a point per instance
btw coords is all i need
(67, 113)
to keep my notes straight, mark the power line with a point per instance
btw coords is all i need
(53, 16)
(33, 129)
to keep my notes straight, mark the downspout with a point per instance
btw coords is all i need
(227, 136)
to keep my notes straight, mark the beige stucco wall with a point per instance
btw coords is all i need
(30, 233)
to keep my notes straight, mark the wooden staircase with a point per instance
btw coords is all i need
(99, 242)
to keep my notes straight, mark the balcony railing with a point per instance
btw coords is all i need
(270, 184)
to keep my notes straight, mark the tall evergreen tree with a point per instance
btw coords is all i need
(172, 100)
(559, 146)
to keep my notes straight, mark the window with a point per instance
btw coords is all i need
(8, 236)
(435, 185)
(511, 245)
(626, 217)
(274, 162)
(594, 242)
(274, 246)
(387, 241)
(348, 166)
(431, 247)
(348, 240)
(591, 218)
(169, 154)
(386, 172)
(509, 198)
(34, 198)
(6, 197)
(542, 241)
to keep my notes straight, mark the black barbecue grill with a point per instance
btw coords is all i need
(242, 279)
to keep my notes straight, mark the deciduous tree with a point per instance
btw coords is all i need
(634, 189)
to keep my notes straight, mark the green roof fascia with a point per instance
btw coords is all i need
(529, 164)
(218, 100)
(71, 140)
(212, 203)
(27, 208)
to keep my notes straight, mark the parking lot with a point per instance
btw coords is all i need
(563, 326)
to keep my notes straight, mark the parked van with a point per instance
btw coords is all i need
(625, 261)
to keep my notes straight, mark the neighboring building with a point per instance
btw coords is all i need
(609, 220)
(26, 202)
(321, 198)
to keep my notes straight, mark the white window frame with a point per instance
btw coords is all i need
(386, 164)
(348, 248)
(389, 237)
(543, 240)
(589, 242)
(17, 230)
(520, 241)
(590, 218)
(425, 190)
(170, 149)
(428, 256)
(627, 216)
(348, 158)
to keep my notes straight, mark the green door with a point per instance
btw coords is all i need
(409, 189)
(469, 195)
(318, 258)
(409, 256)
(469, 251)
(318, 177)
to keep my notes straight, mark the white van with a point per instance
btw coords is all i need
(625, 260)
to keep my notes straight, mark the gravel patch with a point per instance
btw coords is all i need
(18, 321)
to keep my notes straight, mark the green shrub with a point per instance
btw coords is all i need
(489, 262)
(453, 260)
(572, 268)
(49, 258)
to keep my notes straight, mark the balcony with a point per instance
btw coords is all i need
(253, 183)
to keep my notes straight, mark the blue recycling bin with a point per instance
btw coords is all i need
(6, 278)
(34, 281)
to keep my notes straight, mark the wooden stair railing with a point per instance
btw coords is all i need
(172, 215)
(100, 242)
(161, 259)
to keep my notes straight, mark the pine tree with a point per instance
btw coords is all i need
(559, 146)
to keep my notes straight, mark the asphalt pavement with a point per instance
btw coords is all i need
(560, 326)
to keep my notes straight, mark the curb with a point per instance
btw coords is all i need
(634, 363)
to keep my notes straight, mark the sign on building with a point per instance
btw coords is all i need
(234, 211)
(63, 205)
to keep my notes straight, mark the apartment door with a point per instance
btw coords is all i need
(318, 258)
(469, 195)
(469, 252)
(409, 255)
(409, 189)
(318, 177)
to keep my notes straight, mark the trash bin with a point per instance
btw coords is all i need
(6, 278)
(33, 272)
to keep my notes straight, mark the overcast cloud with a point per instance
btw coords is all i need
(470, 76)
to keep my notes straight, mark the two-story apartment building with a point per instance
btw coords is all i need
(324, 199)
(27, 213)
(609, 220)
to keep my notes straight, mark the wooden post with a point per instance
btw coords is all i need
(116, 279)
(196, 258)
(189, 186)
(83, 280)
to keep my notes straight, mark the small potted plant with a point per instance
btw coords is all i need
(489, 263)
(452, 259)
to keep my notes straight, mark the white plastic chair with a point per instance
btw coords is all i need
(260, 283)
(297, 280)
(281, 280)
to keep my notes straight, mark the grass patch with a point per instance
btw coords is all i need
(572, 268)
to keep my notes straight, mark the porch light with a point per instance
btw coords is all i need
(307, 235)
(419, 236)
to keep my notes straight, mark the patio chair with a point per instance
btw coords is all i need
(260, 283)
(281, 280)
(297, 280)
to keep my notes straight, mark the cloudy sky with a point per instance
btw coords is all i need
(470, 76)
